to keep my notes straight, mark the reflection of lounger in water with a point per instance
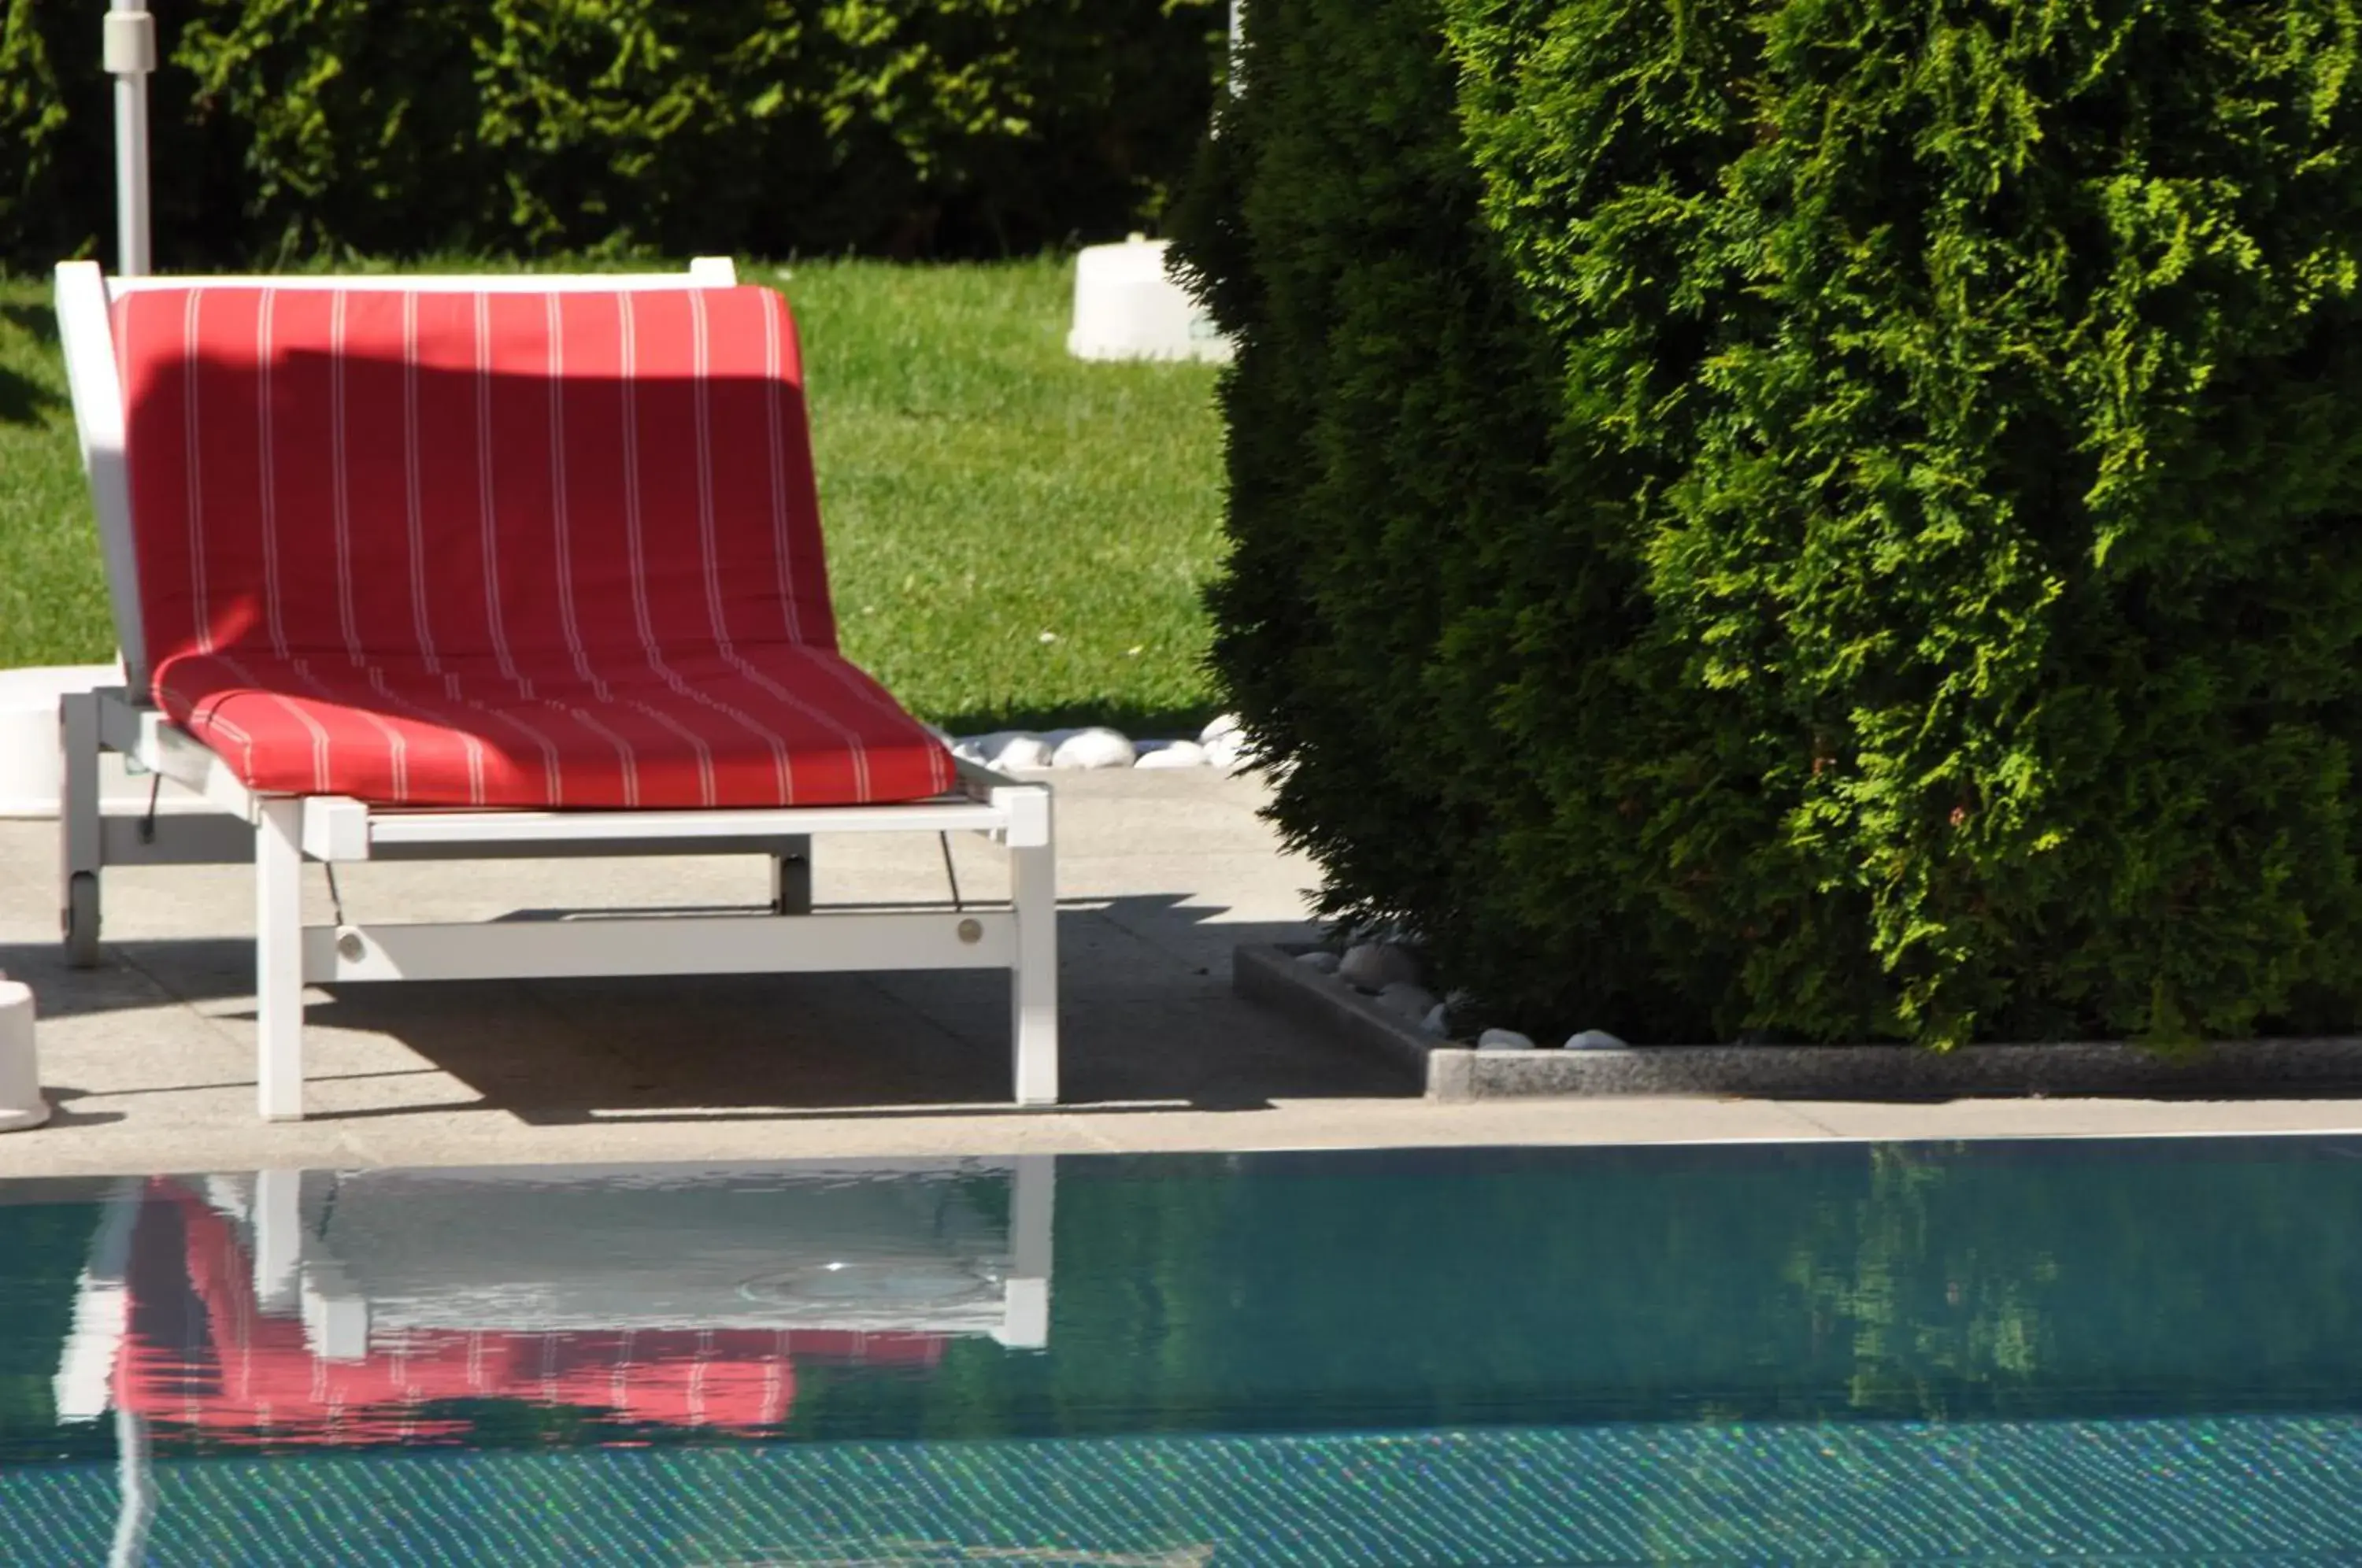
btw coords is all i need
(202, 1353)
(348, 1307)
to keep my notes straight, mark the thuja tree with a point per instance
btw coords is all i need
(1839, 519)
(290, 128)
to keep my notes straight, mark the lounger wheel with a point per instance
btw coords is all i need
(80, 919)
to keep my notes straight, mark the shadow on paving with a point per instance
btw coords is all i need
(1148, 1023)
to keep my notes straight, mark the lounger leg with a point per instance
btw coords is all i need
(278, 1218)
(1033, 980)
(791, 882)
(1025, 1313)
(335, 1314)
(279, 958)
(81, 849)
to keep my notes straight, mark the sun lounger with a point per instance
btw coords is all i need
(449, 567)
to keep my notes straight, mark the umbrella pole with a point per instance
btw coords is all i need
(130, 55)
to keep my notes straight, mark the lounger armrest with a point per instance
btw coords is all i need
(86, 334)
(140, 731)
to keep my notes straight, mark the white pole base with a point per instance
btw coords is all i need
(1126, 308)
(31, 774)
(21, 1105)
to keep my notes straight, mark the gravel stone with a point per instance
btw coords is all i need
(1375, 966)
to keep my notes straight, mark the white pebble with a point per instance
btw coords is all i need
(1438, 1021)
(1094, 748)
(1594, 1040)
(1411, 1000)
(1319, 960)
(1373, 966)
(988, 745)
(1228, 753)
(1021, 752)
(1504, 1040)
(1170, 754)
(1216, 727)
(1048, 637)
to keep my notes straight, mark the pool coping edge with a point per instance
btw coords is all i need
(1268, 973)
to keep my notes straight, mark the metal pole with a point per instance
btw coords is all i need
(130, 55)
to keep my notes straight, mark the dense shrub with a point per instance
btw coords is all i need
(289, 128)
(1836, 518)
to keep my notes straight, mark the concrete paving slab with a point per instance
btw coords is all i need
(151, 1057)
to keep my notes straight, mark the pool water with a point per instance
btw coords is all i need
(2090, 1351)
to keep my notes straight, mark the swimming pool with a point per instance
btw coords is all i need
(2118, 1350)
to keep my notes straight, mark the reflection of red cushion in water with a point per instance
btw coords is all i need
(233, 1370)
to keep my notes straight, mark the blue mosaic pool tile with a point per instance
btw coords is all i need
(2233, 1489)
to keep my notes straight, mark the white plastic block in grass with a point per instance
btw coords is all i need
(1127, 308)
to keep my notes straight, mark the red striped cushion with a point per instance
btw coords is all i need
(502, 549)
(769, 725)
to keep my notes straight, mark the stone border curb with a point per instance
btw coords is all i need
(1269, 974)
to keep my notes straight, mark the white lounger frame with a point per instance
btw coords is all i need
(278, 832)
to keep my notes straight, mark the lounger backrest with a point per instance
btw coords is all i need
(458, 475)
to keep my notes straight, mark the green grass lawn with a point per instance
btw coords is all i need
(979, 488)
(53, 597)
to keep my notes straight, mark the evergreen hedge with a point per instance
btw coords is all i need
(291, 128)
(1830, 519)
